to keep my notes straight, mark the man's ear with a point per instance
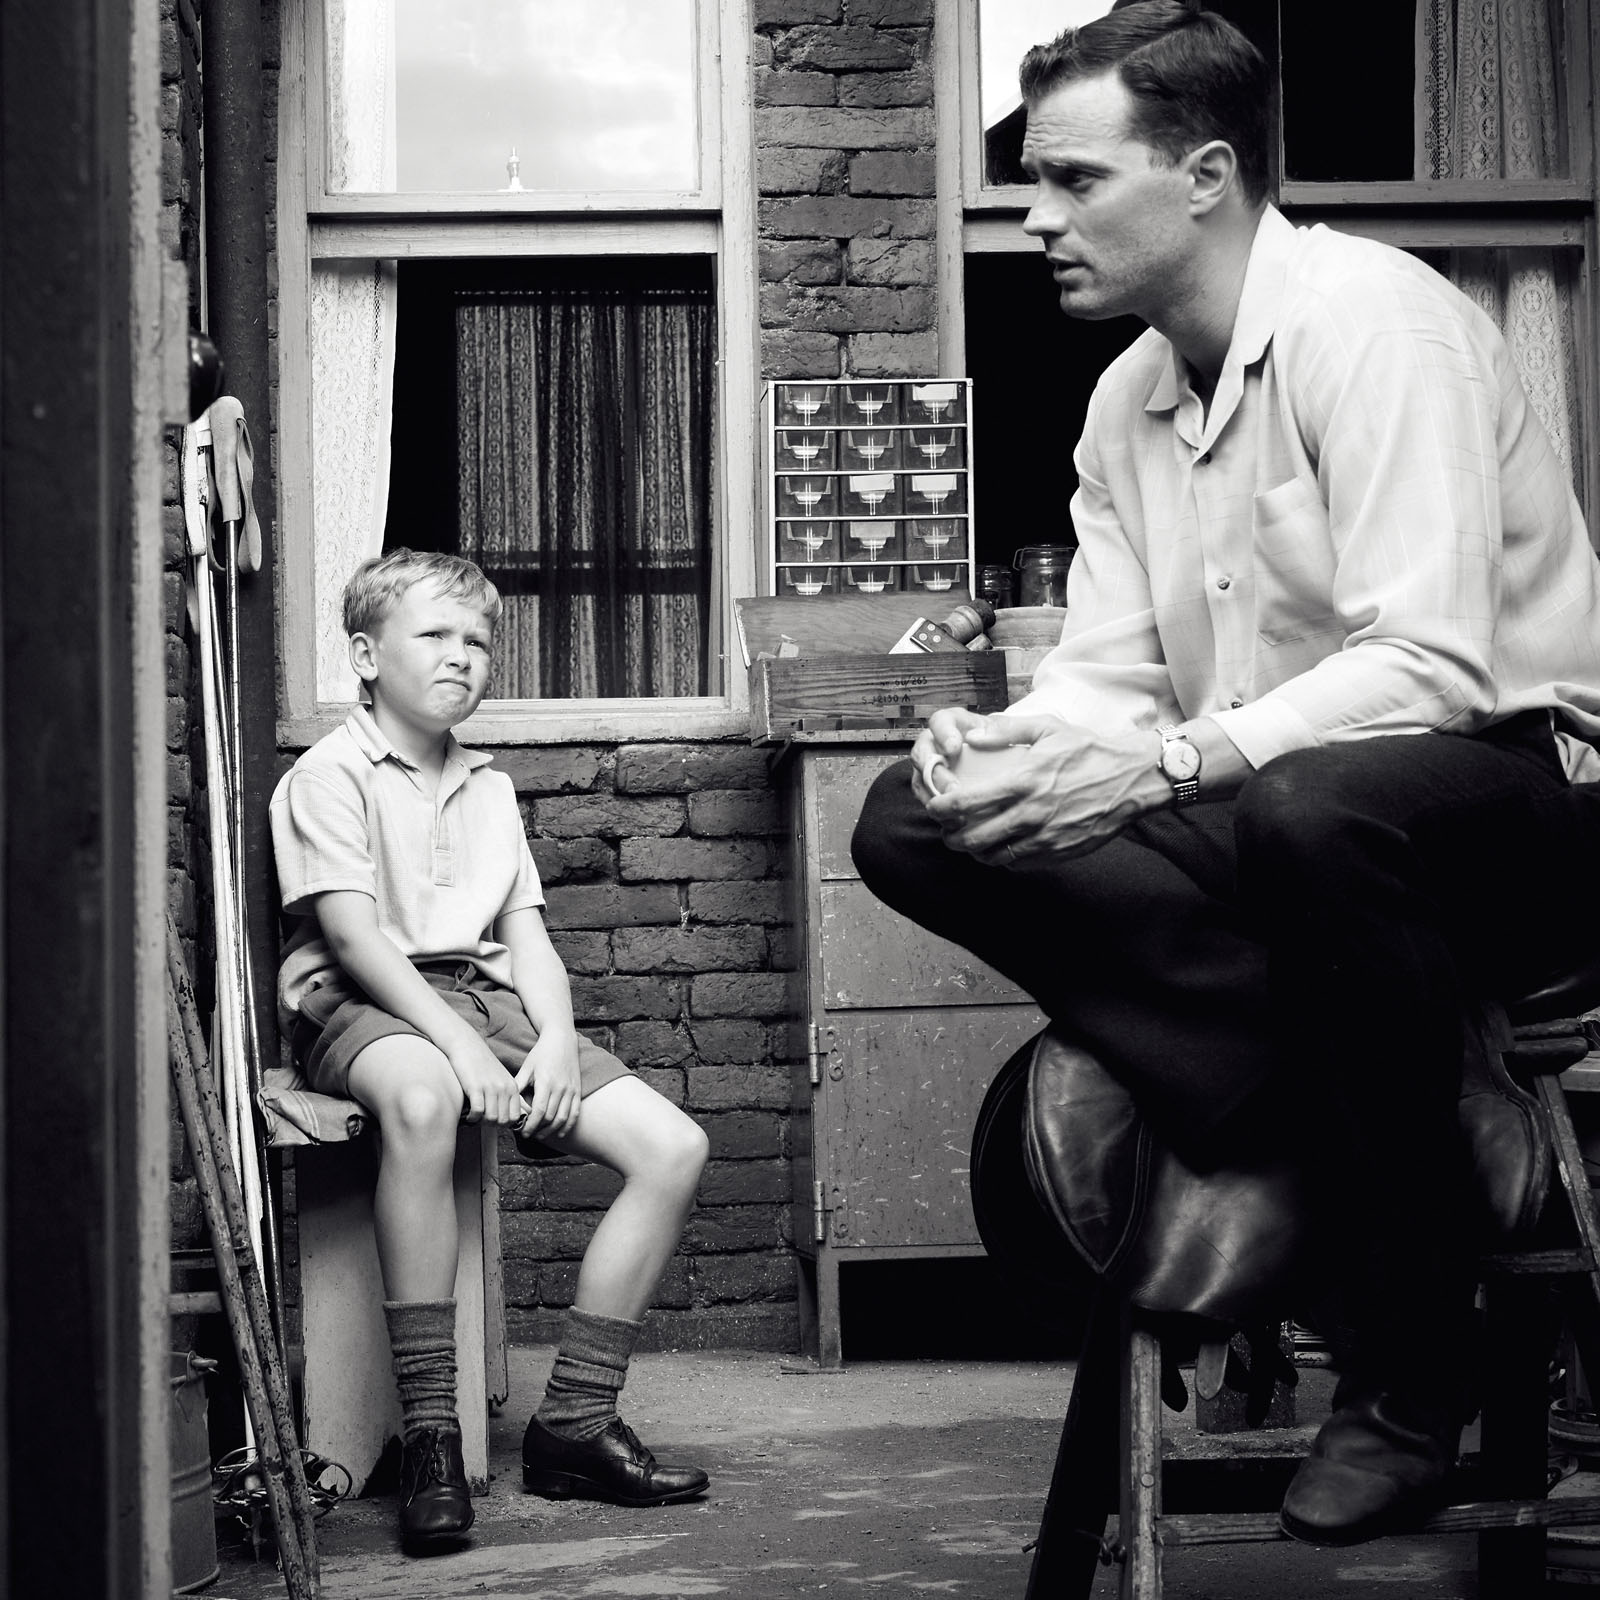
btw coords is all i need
(1213, 167)
(361, 657)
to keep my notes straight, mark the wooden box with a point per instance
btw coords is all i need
(838, 692)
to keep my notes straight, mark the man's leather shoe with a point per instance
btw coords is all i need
(1378, 1465)
(612, 1466)
(435, 1505)
(1508, 1141)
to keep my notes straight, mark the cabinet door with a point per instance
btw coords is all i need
(894, 1118)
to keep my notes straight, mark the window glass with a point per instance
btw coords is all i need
(479, 96)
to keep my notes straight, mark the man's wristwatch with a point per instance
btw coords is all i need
(1180, 763)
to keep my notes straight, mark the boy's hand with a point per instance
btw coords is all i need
(491, 1092)
(552, 1069)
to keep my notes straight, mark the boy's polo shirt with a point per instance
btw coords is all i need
(353, 813)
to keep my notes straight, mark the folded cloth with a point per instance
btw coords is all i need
(233, 465)
(294, 1113)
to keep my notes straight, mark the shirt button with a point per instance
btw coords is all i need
(1205, 460)
(1235, 703)
(1223, 583)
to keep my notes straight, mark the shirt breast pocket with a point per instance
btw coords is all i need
(1294, 563)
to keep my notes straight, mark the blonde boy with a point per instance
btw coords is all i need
(420, 981)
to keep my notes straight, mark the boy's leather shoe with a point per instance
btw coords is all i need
(1379, 1464)
(435, 1504)
(612, 1466)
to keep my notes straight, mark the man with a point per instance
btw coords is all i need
(1295, 791)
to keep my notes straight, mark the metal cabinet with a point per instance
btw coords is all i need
(897, 1036)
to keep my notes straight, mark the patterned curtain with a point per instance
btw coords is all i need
(1488, 108)
(584, 435)
(352, 316)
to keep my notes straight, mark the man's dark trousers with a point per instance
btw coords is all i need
(1301, 964)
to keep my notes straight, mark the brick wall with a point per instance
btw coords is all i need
(660, 870)
(845, 174)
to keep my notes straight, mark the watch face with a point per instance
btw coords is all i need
(1180, 760)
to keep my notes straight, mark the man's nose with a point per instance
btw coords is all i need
(1044, 216)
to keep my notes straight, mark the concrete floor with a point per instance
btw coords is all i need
(885, 1480)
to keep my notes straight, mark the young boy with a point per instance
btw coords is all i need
(420, 981)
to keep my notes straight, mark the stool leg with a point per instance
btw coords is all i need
(1519, 1334)
(1141, 1461)
(1083, 1486)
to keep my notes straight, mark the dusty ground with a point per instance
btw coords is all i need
(888, 1479)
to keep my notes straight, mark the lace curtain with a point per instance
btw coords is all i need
(352, 331)
(584, 432)
(1488, 109)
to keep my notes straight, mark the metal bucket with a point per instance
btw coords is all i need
(194, 1529)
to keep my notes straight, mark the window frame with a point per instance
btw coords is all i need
(1421, 214)
(716, 219)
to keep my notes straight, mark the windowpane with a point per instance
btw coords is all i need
(553, 422)
(476, 96)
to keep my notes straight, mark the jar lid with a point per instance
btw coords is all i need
(1044, 552)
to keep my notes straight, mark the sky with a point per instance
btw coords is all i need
(592, 96)
(1007, 30)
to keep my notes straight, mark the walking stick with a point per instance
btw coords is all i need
(242, 1294)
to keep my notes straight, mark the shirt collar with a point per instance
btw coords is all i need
(370, 741)
(1253, 323)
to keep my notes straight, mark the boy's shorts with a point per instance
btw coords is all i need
(337, 1021)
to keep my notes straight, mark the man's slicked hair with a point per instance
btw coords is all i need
(1192, 75)
(376, 586)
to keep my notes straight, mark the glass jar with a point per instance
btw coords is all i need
(1042, 570)
(997, 585)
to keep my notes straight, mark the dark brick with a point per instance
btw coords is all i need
(846, 49)
(782, 170)
(696, 859)
(774, 88)
(892, 172)
(735, 1040)
(745, 1277)
(177, 723)
(884, 89)
(653, 1044)
(521, 1280)
(790, 13)
(717, 814)
(549, 769)
(586, 953)
(783, 950)
(756, 1088)
(580, 1186)
(762, 1325)
(751, 994)
(521, 1186)
(801, 261)
(608, 816)
(734, 1228)
(545, 1235)
(891, 261)
(612, 905)
(737, 902)
(574, 860)
(787, 354)
(744, 1135)
(620, 999)
(856, 310)
(894, 355)
(891, 13)
(846, 217)
(844, 128)
(666, 1081)
(689, 949)
(735, 1183)
(677, 769)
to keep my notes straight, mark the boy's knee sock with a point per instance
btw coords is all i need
(422, 1340)
(590, 1369)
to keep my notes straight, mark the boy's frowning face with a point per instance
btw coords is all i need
(427, 663)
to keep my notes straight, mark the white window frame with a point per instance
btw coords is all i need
(974, 218)
(716, 219)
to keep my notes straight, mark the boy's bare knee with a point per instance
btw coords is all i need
(424, 1113)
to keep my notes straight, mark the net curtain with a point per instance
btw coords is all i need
(352, 316)
(1488, 108)
(584, 428)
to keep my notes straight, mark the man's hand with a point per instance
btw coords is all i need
(1061, 790)
(552, 1068)
(490, 1093)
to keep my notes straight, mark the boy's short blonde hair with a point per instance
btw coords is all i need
(375, 587)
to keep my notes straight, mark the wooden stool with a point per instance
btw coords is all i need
(351, 1407)
(1110, 1456)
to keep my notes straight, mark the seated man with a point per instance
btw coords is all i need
(1295, 790)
